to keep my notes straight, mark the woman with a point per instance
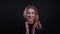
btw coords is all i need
(32, 24)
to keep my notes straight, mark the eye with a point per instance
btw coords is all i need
(32, 12)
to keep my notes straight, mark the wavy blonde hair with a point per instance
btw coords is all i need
(36, 20)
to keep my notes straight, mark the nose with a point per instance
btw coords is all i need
(29, 16)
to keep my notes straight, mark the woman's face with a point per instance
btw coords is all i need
(30, 14)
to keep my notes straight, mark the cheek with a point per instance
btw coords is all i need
(33, 16)
(27, 16)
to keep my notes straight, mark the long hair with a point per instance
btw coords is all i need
(36, 19)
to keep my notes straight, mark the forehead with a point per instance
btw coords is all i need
(31, 10)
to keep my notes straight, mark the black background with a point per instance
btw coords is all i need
(11, 14)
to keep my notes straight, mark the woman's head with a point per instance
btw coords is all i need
(30, 13)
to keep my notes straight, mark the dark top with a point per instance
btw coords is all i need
(30, 28)
(22, 29)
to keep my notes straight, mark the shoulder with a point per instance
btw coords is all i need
(22, 28)
(41, 31)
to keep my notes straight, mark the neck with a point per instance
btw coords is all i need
(30, 22)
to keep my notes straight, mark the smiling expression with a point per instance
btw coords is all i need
(30, 14)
